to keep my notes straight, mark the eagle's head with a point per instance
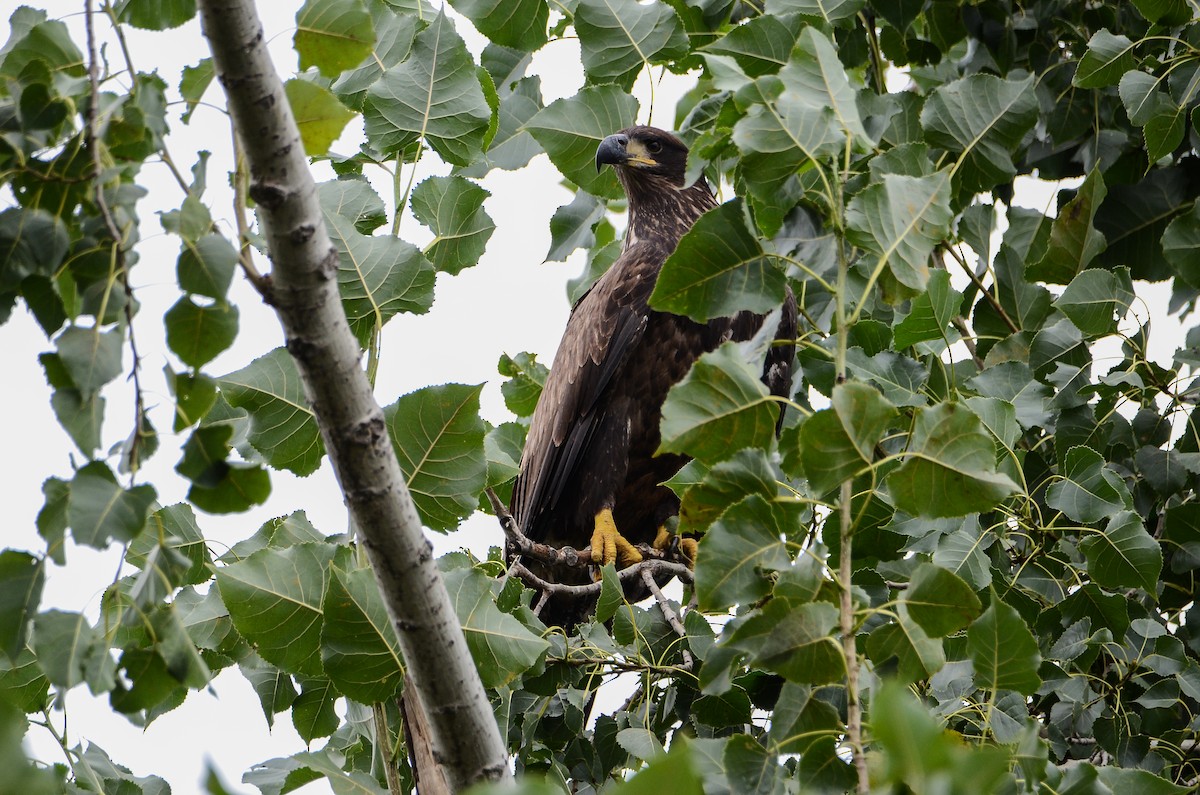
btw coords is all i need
(641, 152)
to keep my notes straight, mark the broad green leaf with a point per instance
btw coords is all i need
(571, 129)
(940, 601)
(99, 510)
(1003, 650)
(279, 533)
(512, 147)
(206, 266)
(438, 437)
(452, 207)
(313, 713)
(68, 648)
(194, 395)
(282, 426)
(378, 276)
(675, 772)
(333, 35)
(747, 472)
(21, 579)
(828, 11)
(435, 95)
(32, 242)
(794, 641)
(22, 683)
(393, 40)
(1164, 130)
(1014, 382)
(718, 269)
(619, 37)
(981, 118)
(198, 334)
(1089, 490)
(1108, 57)
(220, 485)
(761, 45)
(502, 646)
(815, 76)
(156, 14)
(1181, 246)
(739, 550)
(1074, 240)
(1133, 219)
(720, 407)
(91, 357)
(520, 24)
(612, 595)
(1096, 300)
(572, 225)
(917, 655)
(949, 467)
(1124, 555)
(900, 220)
(1140, 96)
(81, 419)
(1169, 12)
(750, 768)
(526, 377)
(320, 116)
(173, 529)
(901, 378)
(274, 688)
(1143, 782)
(193, 82)
(274, 598)
(930, 313)
(838, 442)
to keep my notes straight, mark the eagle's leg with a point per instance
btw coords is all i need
(608, 545)
(666, 538)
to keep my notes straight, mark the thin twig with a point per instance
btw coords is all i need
(241, 189)
(849, 646)
(978, 282)
(668, 613)
(961, 325)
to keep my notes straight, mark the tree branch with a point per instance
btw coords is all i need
(669, 614)
(305, 296)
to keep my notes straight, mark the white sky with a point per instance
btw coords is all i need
(510, 302)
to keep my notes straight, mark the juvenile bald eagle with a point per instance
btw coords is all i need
(589, 473)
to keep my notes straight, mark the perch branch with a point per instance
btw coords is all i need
(668, 613)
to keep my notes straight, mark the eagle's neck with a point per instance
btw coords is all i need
(661, 211)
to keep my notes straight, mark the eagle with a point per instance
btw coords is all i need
(590, 474)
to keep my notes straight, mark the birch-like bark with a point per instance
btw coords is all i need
(304, 292)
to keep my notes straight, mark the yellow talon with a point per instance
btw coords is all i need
(609, 546)
(689, 546)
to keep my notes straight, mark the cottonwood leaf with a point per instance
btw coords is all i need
(719, 269)
(502, 646)
(1124, 555)
(206, 266)
(815, 76)
(283, 427)
(940, 601)
(438, 437)
(359, 650)
(570, 130)
(333, 35)
(100, 510)
(794, 641)
(1074, 239)
(900, 219)
(1096, 300)
(930, 312)
(520, 24)
(452, 207)
(1089, 490)
(197, 333)
(21, 579)
(739, 550)
(68, 648)
(572, 225)
(1108, 57)
(274, 598)
(91, 357)
(949, 467)
(720, 407)
(761, 45)
(917, 655)
(747, 472)
(838, 442)
(1003, 651)
(512, 147)
(320, 116)
(828, 11)
(619, 37)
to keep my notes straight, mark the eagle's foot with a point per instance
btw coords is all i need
(609, 546)
(665, 541)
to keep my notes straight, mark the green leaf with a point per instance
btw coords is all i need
(22, 682)
(1181, 246)
(1089, 490)
(619, 37)
(68, 648)
(526, 378)
(1003, 650)
(901, 378)
(282, 426)
(313, 712)
(1014, 382)
(838, 442)
(720, 407)
(747, 472)
(750, 768)
(378, 276)
(982, 118)
(274, 598)
(438, 437)
(198, 334)
(81, 419)
(1074, 240)
(950, 466)
(1096, 300)
(333, 35)
(570, 129)
(91, 357)
(718, 269)
(738, 549)
(1108, 57)
(816, 77)
(674, 772)
(206, 266)
(502, 646)
(21, 579)
(1124, 555)
(761, 45)
(794, 641)
(917, 655)
(512, 146)
(520, 24)
(99, 510)
(572, 225)
(940, 601)
(156, 14)
(930, 313)
(1164, 130)
(612, 595)
(173, 531)
(1168, 12)
(828, 11)
(452, 207)
(320, 116)
(32, 242)
(193, 82)
(1142, 782)
(433, 94)
(900, 219)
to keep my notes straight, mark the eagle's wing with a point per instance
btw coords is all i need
(605, 326)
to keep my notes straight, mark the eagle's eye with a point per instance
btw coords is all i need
(654, 147)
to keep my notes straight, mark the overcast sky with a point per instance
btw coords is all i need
(510, 302)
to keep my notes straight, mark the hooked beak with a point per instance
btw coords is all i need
(612, 151)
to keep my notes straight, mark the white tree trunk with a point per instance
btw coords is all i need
(304, 292)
